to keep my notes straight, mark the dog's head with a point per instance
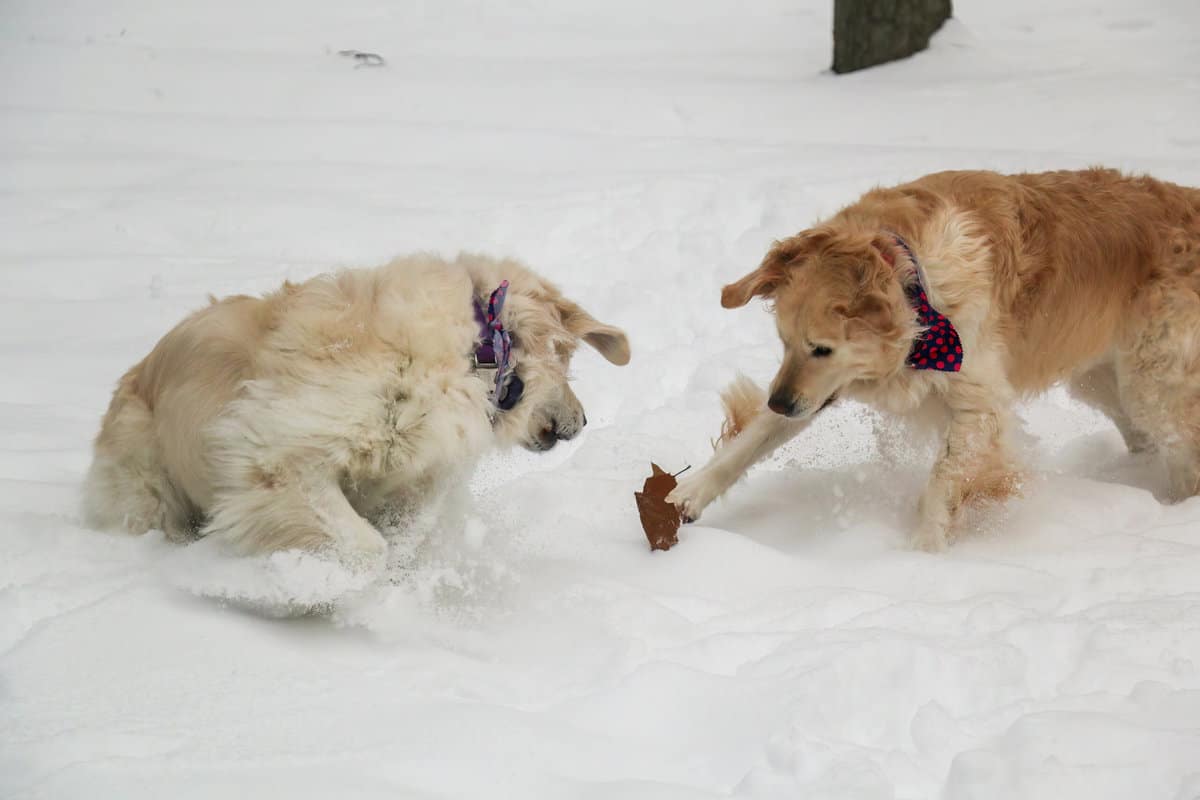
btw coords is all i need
(840, 310)
(546, 330)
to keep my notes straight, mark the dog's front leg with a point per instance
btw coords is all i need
(973, 462)
(761, 437)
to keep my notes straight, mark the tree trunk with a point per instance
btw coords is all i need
(870, 32)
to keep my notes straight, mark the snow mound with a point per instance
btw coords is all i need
(292, 583)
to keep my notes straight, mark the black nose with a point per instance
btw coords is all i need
(782, 404)
(584, 423)
(554, 432)
(548, 437)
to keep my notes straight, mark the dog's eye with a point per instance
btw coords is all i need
(821, 351)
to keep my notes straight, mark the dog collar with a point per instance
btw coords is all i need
(938, 345)
(493, 351)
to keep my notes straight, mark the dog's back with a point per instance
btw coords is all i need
(149, 469)
(1069, 252)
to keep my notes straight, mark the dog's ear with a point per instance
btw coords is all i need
(609, 341)
(760, 283)
(782, 257)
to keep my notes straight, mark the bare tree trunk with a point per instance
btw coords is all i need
(870, 32)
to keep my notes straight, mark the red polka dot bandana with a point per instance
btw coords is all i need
(938, 346)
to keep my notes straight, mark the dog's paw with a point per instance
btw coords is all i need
(930, 539)
(692, 496)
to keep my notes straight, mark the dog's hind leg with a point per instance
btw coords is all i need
(1100, 389)
(127, 487)
(1158, 371)
(1171, 415)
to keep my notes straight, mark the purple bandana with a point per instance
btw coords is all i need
(495, 350)
(938, 345)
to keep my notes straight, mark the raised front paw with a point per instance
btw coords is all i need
(692, 496)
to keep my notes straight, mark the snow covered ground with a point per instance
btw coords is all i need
(640, 152)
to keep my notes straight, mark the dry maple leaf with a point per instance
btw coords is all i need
(660, 519)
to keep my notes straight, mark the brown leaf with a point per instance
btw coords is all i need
(660, 519)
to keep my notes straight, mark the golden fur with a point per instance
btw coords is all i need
(1091, 277)
(742, 401)
(281, 422)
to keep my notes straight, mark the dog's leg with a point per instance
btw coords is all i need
(1099, 388)
(1183, 469)
(973, 463)
(127, 486)
(1156, 375)
(282, 511)
(277, 456)
(1162, 402)
(1172, 415)
(766, 432)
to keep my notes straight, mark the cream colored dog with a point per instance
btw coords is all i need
(1090, 277)
(289, 421)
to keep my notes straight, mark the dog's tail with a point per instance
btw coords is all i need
(743, 400)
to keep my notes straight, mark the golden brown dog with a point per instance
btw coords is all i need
(1091, 277)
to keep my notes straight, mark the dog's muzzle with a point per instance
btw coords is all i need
(788, 406)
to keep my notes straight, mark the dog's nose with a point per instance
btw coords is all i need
(782, 404)
(584, 423)
(564, 431)
(548, 437)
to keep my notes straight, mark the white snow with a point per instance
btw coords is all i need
(526, 643)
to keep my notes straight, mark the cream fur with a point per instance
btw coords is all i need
(1091, 277)
(290, 421)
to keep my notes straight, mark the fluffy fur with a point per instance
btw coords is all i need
(742, 401)
(289, 421)
(1089, 277)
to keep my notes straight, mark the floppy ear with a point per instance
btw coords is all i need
(762, 282)
(608, 341)
(779, 259)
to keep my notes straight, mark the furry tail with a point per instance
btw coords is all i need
(743, 400)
